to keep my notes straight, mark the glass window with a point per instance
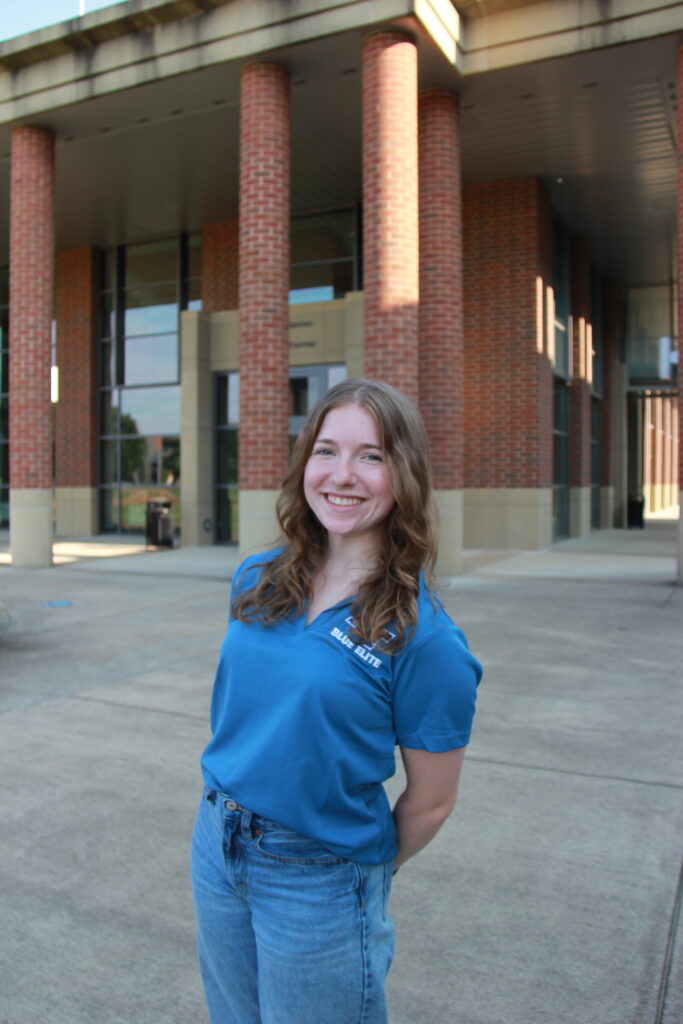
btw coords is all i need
(4, 419)
(109, 413)
(107, 316)
(561, 290)
(4, 463)
(324, 256)
(560, 459)
(139, 372)
(107, 364)
(151, 262)
(151, 310)
(226, 456)
(151, 360)
(228, 400)
(108, 471)
(319, 237)
(227, 515)
(194, 256)
(320, 282)
(150, 410)
(150, 460)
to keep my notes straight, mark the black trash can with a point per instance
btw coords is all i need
(636, 509)
(159, 523)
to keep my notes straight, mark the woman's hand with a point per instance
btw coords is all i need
(429, 797)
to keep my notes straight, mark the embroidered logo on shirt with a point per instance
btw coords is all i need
(363, 651)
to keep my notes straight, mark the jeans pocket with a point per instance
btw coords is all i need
(284, 845)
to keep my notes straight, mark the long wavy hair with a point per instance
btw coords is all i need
(385, 609)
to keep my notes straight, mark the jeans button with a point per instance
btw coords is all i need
(231, 805)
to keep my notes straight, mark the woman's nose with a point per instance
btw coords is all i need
(344, 471)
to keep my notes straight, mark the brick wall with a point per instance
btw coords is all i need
(390, 209)
(264, 276)
(508, 378)
(76, 411)
(220, 263)
(441, 312)
(31, 277)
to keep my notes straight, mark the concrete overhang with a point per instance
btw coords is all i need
(145, 41)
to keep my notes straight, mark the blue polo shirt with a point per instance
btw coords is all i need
(305, 720)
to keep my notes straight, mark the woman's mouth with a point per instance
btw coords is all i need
(341, 501)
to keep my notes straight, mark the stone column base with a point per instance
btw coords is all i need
(30, 535)
(449, 507)
(508, 518)
(259, 528)
(579, 511)
(607, 508)
(76, 511)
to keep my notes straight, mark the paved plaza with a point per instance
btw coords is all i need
(551, 896)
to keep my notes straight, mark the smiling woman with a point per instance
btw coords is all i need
(337, 651)
(347, 483)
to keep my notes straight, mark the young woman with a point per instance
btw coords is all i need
(337, 651)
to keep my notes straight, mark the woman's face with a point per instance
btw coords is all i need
(346, 480)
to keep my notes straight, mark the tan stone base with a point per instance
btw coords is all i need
(508, 518)
(259, 528)
(607, 508)
(579, 511)
(76, 511)
(30, 535)
(449, 506)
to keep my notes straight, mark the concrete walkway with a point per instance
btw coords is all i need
(551, 896)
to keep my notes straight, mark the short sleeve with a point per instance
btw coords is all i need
(435, 687)
(248, 573)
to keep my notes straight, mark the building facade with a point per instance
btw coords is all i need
(214, 209)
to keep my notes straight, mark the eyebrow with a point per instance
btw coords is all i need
(331, 440)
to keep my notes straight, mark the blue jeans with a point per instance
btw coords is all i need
(287, 932)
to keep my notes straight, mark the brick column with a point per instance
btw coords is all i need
(390, 209)
(508, 384)
(263, 297)
(679, 118)
(580, 394)
(440, 310)
(220, 263)
(31, 271)
(76, 294)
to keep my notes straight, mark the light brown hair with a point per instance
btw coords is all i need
(388, 597)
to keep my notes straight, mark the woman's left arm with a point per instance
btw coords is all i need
(429, 797)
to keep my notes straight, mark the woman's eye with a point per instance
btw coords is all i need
(322, 451)
(373, 457)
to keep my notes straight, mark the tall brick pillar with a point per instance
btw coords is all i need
(31, 271)
(679, 117)
(390, 209)
(508, 398)
(580, 394)
(441, 312)
(263, 297)
(76, 411)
